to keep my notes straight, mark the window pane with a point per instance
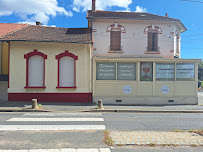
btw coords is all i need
(36, 71)
(66, 72)
(146, 71)
(185, 72)
(106, 71)
(126, 71)
(165, 71)
(115, 40)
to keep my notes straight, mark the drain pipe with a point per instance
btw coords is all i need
(1, 57)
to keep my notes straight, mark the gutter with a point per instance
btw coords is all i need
(49, 41)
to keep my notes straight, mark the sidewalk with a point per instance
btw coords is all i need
(16, 106)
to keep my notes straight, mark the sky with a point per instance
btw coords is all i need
(72, 13)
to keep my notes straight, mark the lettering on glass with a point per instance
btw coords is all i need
(146, 71)
(126, 71)
(106, 71)
(165, 71)
(185, 71)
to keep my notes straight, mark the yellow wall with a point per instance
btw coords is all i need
(18, 66)
(142, 91)
(4, 62)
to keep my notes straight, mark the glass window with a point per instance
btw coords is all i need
(185, 72)
(146, 71)
(152, 41)
(115, 41)
(165, 72)
(106, 71)
(126, 71)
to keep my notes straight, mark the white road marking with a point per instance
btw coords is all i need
(61, 150)
(56, 119)
(63, 114)
(50, 127)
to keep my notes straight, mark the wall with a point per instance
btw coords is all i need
(17, 79)
(134, 41)
(143, 92)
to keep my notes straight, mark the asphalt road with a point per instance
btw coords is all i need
(58, 139)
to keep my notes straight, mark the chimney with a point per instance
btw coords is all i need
(166, 14)
(38, 23)
(93, 5)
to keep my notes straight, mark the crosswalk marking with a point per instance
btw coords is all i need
(61, 150)
(50, 127)
(63, 114)
(56, 119)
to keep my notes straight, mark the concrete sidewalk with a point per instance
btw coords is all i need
(16, 106)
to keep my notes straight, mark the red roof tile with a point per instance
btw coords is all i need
(6, 28)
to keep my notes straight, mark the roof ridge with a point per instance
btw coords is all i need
(58, 27)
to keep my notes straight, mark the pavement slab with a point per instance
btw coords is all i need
(156, 138)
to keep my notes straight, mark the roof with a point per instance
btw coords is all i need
(131, 15)
(6, 28)
(50, 34)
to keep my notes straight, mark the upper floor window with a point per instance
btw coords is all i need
(66, 70)
(115, 36)
(35, 69)
(178, 43)
(152, 39)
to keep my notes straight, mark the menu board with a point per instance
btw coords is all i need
(106, 71)
(146, 71)
(126, 71)
(165, 71)
(185, 71)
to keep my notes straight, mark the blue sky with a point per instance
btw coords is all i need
(72, 13)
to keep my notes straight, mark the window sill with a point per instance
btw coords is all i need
(152, 52)
(35, 87)
(66, 87)
(115, 52)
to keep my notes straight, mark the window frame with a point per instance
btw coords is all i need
(113, 39)
(58, 57)
(153, 41)
(27, 57)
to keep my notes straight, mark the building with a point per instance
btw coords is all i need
(50, 64)
(136, 59)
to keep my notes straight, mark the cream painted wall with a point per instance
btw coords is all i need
(134, 41)
(18, 66)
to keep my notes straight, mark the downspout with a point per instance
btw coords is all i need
(1, 57)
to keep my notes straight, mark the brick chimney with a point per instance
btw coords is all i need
(93, 5)
(166, 14)
(38, 23)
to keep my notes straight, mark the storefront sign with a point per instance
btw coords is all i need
(106, 71)
(165, 71)
(185, 71)
(126, 71)
(146, 71)
(127, 89)
(165, 90)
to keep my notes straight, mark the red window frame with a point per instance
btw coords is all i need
(58, 57)
(27, 57)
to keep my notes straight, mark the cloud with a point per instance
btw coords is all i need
(84, 5)
(32, 10)
(140, 9)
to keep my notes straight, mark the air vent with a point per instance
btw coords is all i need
(118, 100)
(170, 100)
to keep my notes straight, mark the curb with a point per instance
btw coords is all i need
(145, 111)
(24, 110)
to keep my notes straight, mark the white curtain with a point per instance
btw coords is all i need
(36, 71)
(66, 72)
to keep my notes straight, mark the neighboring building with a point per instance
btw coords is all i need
(136, 59)
(50, 64)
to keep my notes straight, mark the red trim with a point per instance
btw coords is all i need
(8, 64)
(27, 57)
(58, 57)
(52, 97)
(66, 87)
(35, 87)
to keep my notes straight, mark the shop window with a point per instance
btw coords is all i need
(66, 70)
(126, 71)
(106, 71)
(146, 71)
(185, 72)
(35, 69)
(165, 72)
(115, 42)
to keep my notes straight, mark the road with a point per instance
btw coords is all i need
(63, 130)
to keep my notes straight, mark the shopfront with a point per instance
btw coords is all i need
(145, 81)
